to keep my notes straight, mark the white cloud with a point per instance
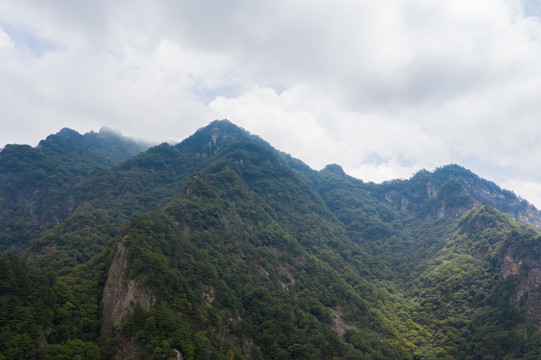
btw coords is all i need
(285, 124)
(383, 88)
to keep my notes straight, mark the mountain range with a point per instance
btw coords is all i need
(223, 247)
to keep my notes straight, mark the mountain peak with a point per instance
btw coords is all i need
(221, 128)
(452, 190)
(451, 170)
(211, 138)
(334, 169)
(67, 131)
(222, 123)
(60, 139)
(105, 130)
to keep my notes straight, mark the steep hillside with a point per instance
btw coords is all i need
(109, 196)
(473, 291)
(451, 191)
(150, 179)
(251, 256)
(37, 184)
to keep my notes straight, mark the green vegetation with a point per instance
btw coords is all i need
(221, 247)
(38, 186)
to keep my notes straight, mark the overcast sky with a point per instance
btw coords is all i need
(383, 88)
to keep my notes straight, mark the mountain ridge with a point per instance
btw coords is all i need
(223, 247)
(32, 176)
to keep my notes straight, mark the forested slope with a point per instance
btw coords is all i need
(222, 247)
(37, 185)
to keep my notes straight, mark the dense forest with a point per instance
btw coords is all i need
(222, 247)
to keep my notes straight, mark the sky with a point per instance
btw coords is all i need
(383, 88)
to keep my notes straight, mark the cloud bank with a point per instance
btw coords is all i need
(382, 88)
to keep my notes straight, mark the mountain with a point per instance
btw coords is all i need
(36, 184)
(451, 191)
(222, 247)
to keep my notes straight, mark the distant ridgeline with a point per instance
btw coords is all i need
(222, 247)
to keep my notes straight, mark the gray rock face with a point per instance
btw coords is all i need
(120, 294)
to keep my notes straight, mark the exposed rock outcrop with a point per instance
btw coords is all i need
(510, 266)
(178, 355)
(529, 292)
(529, 288)
(121, 294)
(338, 324)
